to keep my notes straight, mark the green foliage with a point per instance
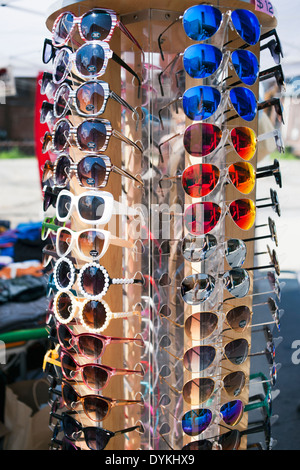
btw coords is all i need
(13, 153)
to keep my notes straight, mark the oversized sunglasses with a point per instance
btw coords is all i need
(90, 62)
(201, 179)
(95, 376)
(200, 61)
(96, 407)
(91, 171)
(93, 279)
(201, 139)
(94, 315)
(201, 22)
(89, 99)
(92, 207)
(274, 45)
(89, 244)
(202, 101)
(95, 438)
(88, 345)
(92, 135)
(96, 24)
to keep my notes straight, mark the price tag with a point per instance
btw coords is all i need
(264, 6)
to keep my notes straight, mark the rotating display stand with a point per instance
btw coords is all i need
(156, 255)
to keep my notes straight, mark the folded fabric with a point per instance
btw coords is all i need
(22, 289)
(15, 316)
(33, 268)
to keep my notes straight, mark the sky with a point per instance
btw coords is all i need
(23, 29)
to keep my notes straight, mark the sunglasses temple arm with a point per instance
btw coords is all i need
(165, 440)
(124, 431)
(123, 64)
(175, 101)
(123, 138)
(124, 103)
(169, 385)
(159, 39)
(125, 173)
(165, 142)
(131, 37)
(163, 71)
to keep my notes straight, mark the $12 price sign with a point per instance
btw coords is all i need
(264, 6)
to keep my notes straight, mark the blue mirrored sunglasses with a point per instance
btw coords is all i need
(201, 22)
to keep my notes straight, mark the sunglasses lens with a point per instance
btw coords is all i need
(62, 29)
(201, 102)
(246, 66)
(69, 395)
(62, 170)
(202, 217)
(70, 426)
(199, 445)
(61, 101)
(201, 325)
(235, 252)
(201, 139)
(94, 314)
(239, 318)
(234, 383)
(202, 60)
(201, 22)
(90, 98)
(96, 25)
(64, 277)
(63, 242)
(61, 135)
(244, 102)
(198, 391)
(90, 346)
(91, 171)
(246, 25)
(242, 176)
(64, 306)
(244, 142)
(237, 351)
(96, 439)
(196, 249)
(232, 412)
(199, 358)
(68, 366)
(65, 336)
(90, 60)
(194, 422)
(243, 213)
(95, 408)
(197, 288)
(200, 180)
(61, 66)
(91, 207)
(230, 440)
(93, 280)
(91, 135)
(237, 282)
(91, 243)
(95, 377)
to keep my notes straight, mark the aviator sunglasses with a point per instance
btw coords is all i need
(201, 22)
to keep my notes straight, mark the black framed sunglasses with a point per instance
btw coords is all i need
(274, 45)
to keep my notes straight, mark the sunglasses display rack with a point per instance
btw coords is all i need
(177, 280)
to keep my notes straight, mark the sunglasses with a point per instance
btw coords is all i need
(201, 325)
(88, 243)
(92, 207)
(274, 45)
(94, 315)
(92, 135)
(50, 196)
(95, 376)
(201, 22)
(96, 24)
(89, 99)
(202, 217)
(48, 87)
(201, 179)
(201, 102)
(96, 407)
(95, 438)
(87, 344)
(89, 61)
(93, 280)
(91, 171)
(201, 139)
(199, 390)
(201, 61)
